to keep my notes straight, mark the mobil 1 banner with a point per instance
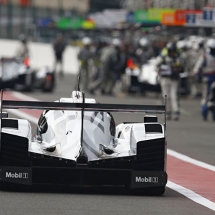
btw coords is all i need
(20, 175)
(148, 179)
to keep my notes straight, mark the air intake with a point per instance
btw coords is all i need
(148, 118)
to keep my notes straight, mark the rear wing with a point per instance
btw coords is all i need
(126, 108)
(151, 109)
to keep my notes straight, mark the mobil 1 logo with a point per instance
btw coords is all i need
(147, 179)
(20, 175)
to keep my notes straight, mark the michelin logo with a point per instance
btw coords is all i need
(17, 175)
(146, 179)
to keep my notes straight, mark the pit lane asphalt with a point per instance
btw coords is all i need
(189, 136)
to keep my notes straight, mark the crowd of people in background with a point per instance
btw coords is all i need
(104, 60)
(103, 63)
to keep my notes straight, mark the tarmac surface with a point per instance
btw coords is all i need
(189, 136)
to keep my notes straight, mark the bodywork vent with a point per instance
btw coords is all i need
(150, 119)
(9, 123)
(153, 128)
(14, 150)
(150, 155)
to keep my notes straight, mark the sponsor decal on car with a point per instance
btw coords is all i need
(141, 179)
(23, 175)
(20, 175)
(146, 179)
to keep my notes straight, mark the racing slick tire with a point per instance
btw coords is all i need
(49, 84)
(29, 83)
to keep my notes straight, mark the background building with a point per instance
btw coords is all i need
(33, 16)
(183, 4)
(79, 5)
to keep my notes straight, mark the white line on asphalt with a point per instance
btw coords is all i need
(190, 160)
(191, 195)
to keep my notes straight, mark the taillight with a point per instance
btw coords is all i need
(26, 62)
(48, 77)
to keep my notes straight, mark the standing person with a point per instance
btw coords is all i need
(206, 64)
(59, 48)
(168, 67)
(186, 56)
(111, 64)
(105, 52)
(198, 50)
(22, 51)
(156, 48)
(144, 52)
(84, 56)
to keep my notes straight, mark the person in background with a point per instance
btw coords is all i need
(22, 51)
(100, 82)
(156, 48)
(59, 48)
(168, 67)
(211, 99)
(84, 56)
(144, 52)
(113, 61)
(206, 64)
(186, 54)
(197, 51)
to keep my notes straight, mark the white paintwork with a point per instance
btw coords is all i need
(64, 133)
(24, 129)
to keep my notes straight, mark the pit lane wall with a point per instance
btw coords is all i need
(42, 54)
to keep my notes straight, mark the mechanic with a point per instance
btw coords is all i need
(206, 63)
(144, 52)
(105, 51)
(22, 51)
(59, 48)
(113, 61)
(187, 55)
(169, 67)
(84, 56)
(197, 51)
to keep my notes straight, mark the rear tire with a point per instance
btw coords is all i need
(49, 85)
(30, 83)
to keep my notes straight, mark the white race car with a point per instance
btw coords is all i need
(18, 75)
(143, 79)
(78, 144)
